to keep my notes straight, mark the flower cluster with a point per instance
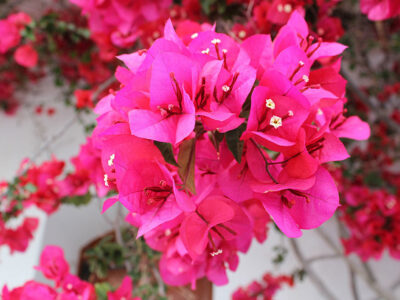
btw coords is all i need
(66, 286)
(120, 24)
(37, 186)
(269, 16)
(244, 130)
(264, 290)
(19, 58)
(17, 239)
(45, 187)
(372, 218)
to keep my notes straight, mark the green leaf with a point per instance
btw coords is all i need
(235, 145)
(186, 158)
(101, 290)
(77, 200)
(206, 5)
(167, 152)
(30, 188)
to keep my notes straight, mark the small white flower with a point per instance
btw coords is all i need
(242, 34)
(206, 51)
(269, 103)
(218, 252)
(275, 122)
(194, 35)
(280, 7)
(111, 160)
(105, 179)
(290, 113)
(226, 88)
(287, 8)
(216, 41)
(306, 78)
(301, 63)
(156, 34)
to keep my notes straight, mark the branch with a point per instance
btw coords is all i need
(353, 285)
(321, 257)
(310, 272)
(356, 268)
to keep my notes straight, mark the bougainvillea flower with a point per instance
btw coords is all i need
(293, 210)
(53, 264)
(380, 9)
(169, 124)
(208, 225)
(10, 36)
(124, 291)
(26, 56)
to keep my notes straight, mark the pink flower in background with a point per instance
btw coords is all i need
(124, 291)
(380, 9)
(83, 98)
(10, 36)
(53, 264)
(26, 56)
(18, 239)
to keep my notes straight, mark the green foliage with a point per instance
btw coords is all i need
(104, 255)
(101, 290)
(77, 200)
(186, 159)
(280, 254)
(235, 145)
(374, 179)
(107, 254)
(167, 152)
(299, 274)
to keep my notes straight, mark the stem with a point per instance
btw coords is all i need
(310, 272)
(265, 160)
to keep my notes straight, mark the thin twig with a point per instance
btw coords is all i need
(322, 257)
(310, 272)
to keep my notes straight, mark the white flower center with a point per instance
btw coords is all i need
(276, 122)
(287, 8)
(242, 34)
(218, 252)
(226, 88)
(111, 160)
(269, 103)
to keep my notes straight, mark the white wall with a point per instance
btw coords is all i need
(72, 227)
